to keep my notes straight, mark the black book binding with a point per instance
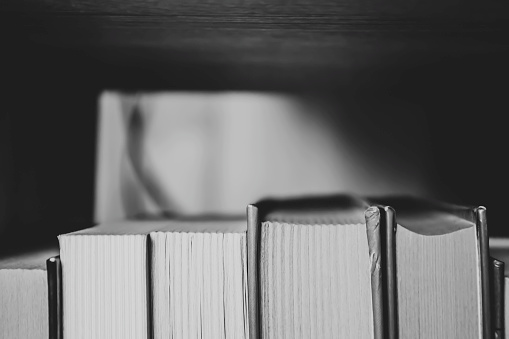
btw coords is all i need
(54, 270)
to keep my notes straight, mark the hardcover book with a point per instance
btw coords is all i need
(24, 309)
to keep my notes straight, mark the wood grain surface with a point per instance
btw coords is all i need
(254, 44)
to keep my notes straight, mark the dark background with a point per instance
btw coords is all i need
(448, 59)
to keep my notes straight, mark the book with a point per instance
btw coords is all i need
(441, 274)
(315, 268)
(199, 280)
(497, 291)
(24, 287)
(499, 248)
(54, 268)
(144, 279)
(202, 138)
(105, 280)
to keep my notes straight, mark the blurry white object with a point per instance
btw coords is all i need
(181, 152)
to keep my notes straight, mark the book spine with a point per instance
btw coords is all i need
(253, 271)
(54, 271)
(482, 235)
(497, 297)
(381, 228)
(373, 230)
(388, 224)
(150, 290)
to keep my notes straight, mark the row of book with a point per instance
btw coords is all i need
(319, 267)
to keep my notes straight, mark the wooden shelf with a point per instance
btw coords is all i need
(261, 10)
(254, 45)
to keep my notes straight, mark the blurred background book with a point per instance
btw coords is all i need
(212, 153)
(167, 153)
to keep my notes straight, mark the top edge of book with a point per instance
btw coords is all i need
(428, 217)
(332, 209)
(145, 227)
(419, 215)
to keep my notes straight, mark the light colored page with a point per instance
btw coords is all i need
(204, 294)
(23, 303)
(315, 281)
(439, 292)
(104, 286)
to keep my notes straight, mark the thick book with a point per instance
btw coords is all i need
(441, 270)
(315, 268)
(24, 294)
(156, 279)
(199, 280)
(105, 281)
